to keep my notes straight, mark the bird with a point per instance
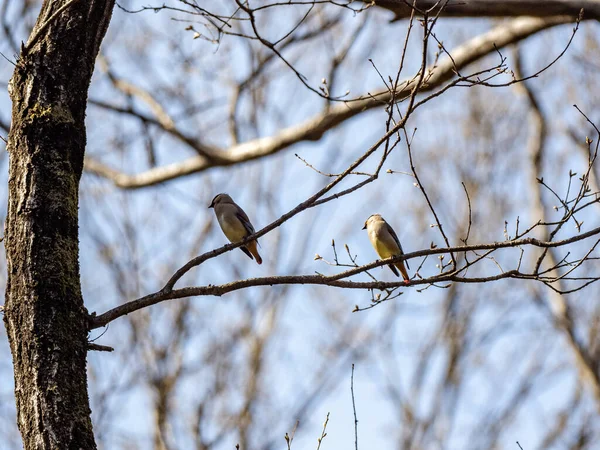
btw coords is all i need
(386, 243)
(235, 224)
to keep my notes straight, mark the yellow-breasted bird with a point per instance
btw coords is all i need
(235, 224)
(386, 243)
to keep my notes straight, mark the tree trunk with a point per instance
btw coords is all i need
(45, 318)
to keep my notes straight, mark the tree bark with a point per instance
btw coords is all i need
(495, 8)
(45, 318)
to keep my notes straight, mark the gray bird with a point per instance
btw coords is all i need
(235, 224)
(386, 243)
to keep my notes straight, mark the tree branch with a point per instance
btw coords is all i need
(338, 280)
(99, 348)
(315, 127)
(495, 8)
(556, 304)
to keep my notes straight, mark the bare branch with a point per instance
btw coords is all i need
(99, 348)
(556, 304)
(336, 280)
(496, 8)
(354, 410)
(315, 127)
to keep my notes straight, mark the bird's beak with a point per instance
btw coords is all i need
(365, 227)
(212, 205)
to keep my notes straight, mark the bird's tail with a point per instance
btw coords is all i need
(251, 246)
(402, 269)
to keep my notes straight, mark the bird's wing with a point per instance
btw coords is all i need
(243, 218)
(393, 234)
(241, 215)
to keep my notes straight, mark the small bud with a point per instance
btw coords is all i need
(317, 257)
(197, 35)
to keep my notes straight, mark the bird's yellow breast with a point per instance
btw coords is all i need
(382, 250)
(232, 227)
(384, 245)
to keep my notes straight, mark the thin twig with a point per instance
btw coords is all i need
(323, 433)
(354, 409)
(99, 348)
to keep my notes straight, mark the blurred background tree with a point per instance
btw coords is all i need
(189, 99)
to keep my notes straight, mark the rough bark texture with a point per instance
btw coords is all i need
(495, 8)
(45, 317)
